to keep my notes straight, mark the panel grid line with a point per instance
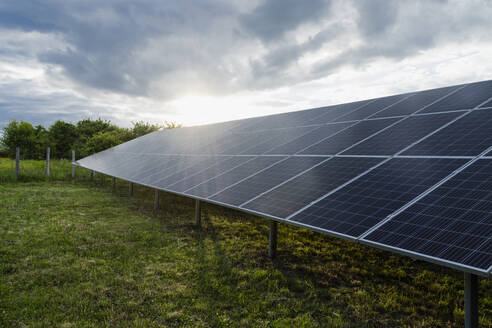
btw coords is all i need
(290, 179)
(369, 170)
(197, 173)
(235, 167)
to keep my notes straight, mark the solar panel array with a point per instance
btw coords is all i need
(410, 173)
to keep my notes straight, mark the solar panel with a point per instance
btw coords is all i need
(348, 137)
(271, 139)
(468, 136)
(362, 204)
(296, 193)
(387, 172)
(189, 165)
(371, 108)
(401, 135)
(228, 163)
(333, 112)
(306, 140)
(414, 103)
(452, 223)
(265, 180)
(215, 185)
(468, 97)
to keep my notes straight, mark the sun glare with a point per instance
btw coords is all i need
(198, 109)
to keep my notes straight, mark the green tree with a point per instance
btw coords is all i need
(62, 138)
(41, 141)
(88, 128)
(19, 134)
(141, 128)
(171, 125)
(102, 141)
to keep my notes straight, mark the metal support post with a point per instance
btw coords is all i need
(156, 200)
(198, 212)
(48, 151)
(471, 301)
(73, 166)
(272, 239)
(130, 189)
(92, 175)
(101, 178)
(113, 183)
(17, 158)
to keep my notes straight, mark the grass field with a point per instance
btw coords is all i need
(76, 254)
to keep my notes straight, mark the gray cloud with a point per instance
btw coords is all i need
(399, 29)
(274, 18)
(161, 50)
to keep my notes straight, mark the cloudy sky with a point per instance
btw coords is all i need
(203, 61)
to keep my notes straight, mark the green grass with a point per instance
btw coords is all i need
(76, 254)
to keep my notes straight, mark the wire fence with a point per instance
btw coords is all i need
(19, 169)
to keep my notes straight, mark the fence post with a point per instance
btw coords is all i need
(48, 150)
(272, 239)
(73, 166)
(156, 200)
(113, 183)
(92, 175)
(101, 178)
(130, 189)
(17, 156)
(198, 212)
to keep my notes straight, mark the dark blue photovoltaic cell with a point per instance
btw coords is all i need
(333, 112)
(469, 97)
(300, 191)
(468, 136)
(414, 103)
(368, 200)
(452, 223)
(150, 165)
(308, 139)
(271, 139)
(371, 108)
(402, 134)
(265, 180)
(190, 165)
(209, 173)
(284, 120)
(215, 185)
(164, 169)
(127, 167)
(348, 137)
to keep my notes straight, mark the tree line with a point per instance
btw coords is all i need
(86, 137)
